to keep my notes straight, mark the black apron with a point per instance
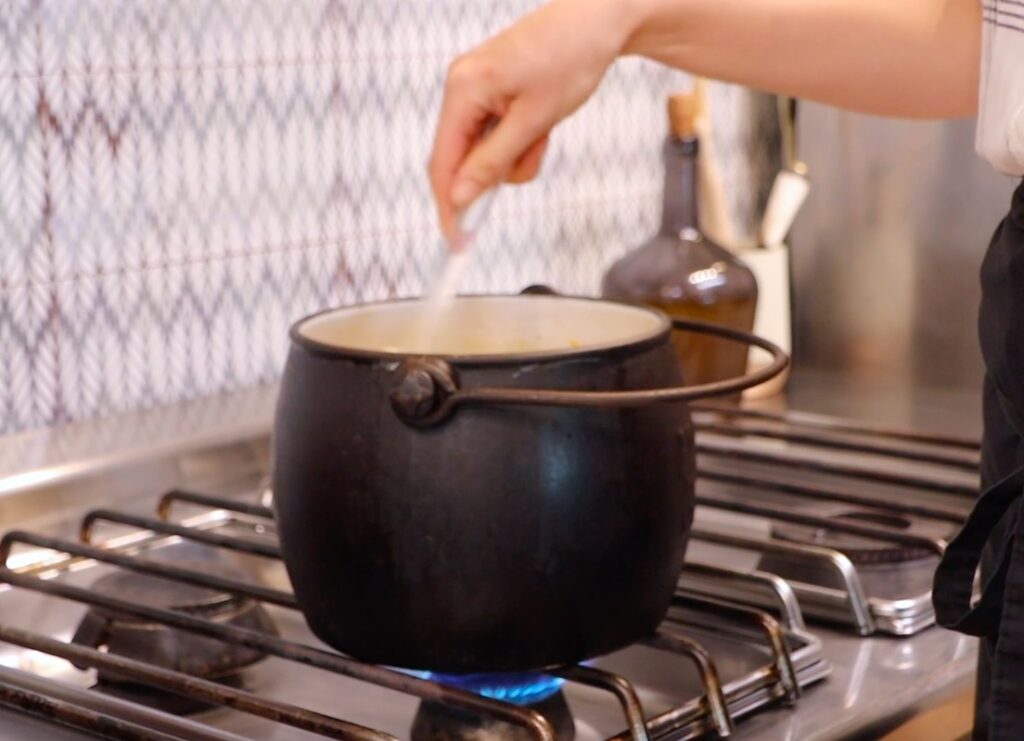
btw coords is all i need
(994, 533)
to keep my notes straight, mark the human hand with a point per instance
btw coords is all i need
(529, 77)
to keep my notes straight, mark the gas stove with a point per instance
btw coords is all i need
(142, 594)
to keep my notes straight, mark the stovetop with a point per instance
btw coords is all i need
(803, 611)
(854, 518)
(735, 657)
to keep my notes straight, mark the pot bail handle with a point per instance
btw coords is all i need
(435, 392)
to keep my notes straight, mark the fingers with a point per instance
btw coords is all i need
(456, 133)
(494, 158)
(471, 99)
(528, 166)
(529, 77)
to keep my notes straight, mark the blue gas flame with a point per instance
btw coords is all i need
(518, 688)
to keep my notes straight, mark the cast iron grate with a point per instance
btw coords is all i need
(716, 711)
(858, 513)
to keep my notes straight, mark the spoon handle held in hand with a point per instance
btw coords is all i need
(469, 221)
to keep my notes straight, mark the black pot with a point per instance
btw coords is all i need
(477, 510)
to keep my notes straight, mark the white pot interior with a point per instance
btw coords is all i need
(484, 326)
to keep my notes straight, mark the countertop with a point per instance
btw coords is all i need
(875, 686)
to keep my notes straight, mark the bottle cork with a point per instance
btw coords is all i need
(683, 109)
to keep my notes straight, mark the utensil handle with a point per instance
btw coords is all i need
(446, 396)
(471, 218)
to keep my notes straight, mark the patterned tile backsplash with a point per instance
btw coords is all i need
(179, 181)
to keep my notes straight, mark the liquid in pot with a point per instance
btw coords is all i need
(485, 326)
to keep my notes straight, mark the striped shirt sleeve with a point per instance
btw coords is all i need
(1000, 136)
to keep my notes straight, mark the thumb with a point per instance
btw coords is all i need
(490, 162)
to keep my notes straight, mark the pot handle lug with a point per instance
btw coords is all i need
(622, 399)
(424, 391)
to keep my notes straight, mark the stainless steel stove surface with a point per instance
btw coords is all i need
(794, 573)
(853, 517)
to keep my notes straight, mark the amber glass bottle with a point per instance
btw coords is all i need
(684, 273)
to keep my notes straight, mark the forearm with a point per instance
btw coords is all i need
(893, 57)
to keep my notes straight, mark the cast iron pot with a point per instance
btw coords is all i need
(514, 494)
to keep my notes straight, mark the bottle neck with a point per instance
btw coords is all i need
(680, 207)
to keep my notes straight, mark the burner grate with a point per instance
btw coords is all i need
(818, 424)
(44, 706)
(716, 710)
(741, 454)
(852, 516)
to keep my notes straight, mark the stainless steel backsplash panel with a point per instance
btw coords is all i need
(887, 251)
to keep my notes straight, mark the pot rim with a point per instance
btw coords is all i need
(641, 342)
